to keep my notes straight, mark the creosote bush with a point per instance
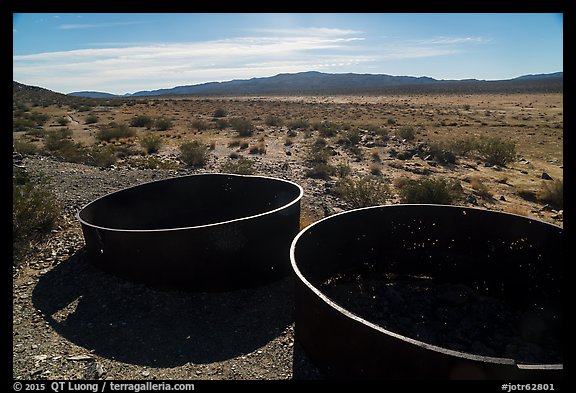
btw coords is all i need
(407, 132)
(163, 124)
(273, 121)
(427, 190)
(362, 191)
(151, 143)
(220, 112)
(34, 209)
(200, 125)
(142, 121)
(497, 151)
(114, 131)
(243, 126)
(240, 166)
(194, 153)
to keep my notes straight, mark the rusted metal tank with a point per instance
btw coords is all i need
(503, 256)
(206, 232)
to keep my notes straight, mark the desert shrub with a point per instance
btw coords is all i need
(38, 118)
(163, 124)
(200, 125)
(351, 139)
(243, 126)
(529, 195)
(426, 190)
(343, 170)
(70, 151)
(194, 153)
(37, 132)
(141, 121)
(363, 191)
(288, 142)
(481, 189)
(259, 148)
(151, 143)
(442, 153)
(234, 142)
(240, 166)
(24, 147)
(221, 124)
(22, 124)
(466, 107)
(497, 151)
(291, 133)
(220, 112)
(55, 139)
(407, 132)
(463, 146)
(319, 152)
(375, 169)
(91, 119)
(326, 129)
(62, 121)
(320, 170)
(552, 193)
(114, 131)
(34, 208)
(101, 156)
(299, 123)
(273, 121)
(391, 121)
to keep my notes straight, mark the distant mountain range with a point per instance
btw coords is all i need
(314, 82)
(92, 94)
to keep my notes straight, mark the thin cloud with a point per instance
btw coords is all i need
(73, 26)
(307, 31)
(453, 40)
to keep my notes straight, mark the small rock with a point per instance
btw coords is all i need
(546, 176)
(79, 358)
(471, 199)
(145, 373)
(524, 172)
(94, 371)
(40, 357)
(502, 198)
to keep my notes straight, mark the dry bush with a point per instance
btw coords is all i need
(497, 151)
(430, 191)
(151, 143)
(552, 193)
(194, 153)
(114, 131)
(273, 121)
(243, 126)
(481, 189)
(363, 191)
(259, 148)
(240, 166)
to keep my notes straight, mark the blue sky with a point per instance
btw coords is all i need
(124, 53)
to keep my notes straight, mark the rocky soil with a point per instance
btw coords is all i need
(72, 321)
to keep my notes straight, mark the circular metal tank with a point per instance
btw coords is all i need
(509, 257)
(206, 232)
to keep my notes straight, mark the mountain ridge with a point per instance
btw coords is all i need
(314, 82)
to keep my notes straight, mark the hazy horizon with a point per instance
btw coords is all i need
(126, 53)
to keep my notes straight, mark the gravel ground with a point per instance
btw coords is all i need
(72, 321)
